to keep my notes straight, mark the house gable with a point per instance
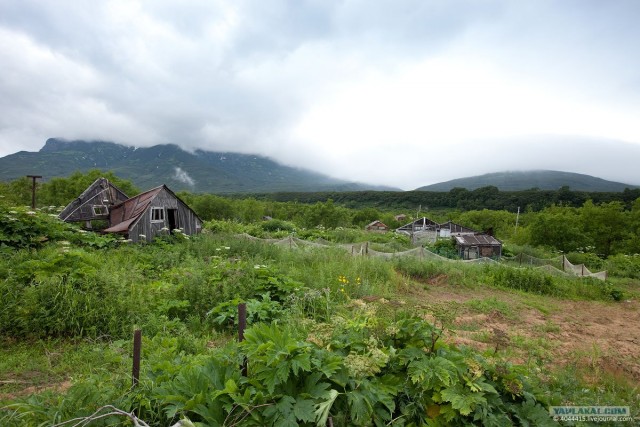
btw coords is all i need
(94, 203)
(155, 212)
(450, 228)
(420, 224)
(376, 226)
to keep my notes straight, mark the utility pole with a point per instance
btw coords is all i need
(33, 189)
(517, 217)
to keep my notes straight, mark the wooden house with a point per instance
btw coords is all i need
(478, 246)
(94, 203)
(377, 225)
(155, 212)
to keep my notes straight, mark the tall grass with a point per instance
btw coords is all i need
(455, 273)
(67, 293)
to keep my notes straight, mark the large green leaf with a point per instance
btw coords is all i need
(462, 399)
(323, 408)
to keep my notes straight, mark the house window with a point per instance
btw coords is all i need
(100, 210)
(157, 214)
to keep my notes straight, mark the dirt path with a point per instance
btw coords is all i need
(610, 332)
(541, 330)
(59, 387)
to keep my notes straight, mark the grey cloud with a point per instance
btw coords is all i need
(238, 75)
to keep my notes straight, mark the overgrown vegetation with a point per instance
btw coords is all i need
(331, 334)
(566, 221)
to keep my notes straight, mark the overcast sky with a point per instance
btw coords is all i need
(397, 92)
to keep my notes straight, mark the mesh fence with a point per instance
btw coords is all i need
(559, 266)
(581, 270)
(552, 270)
(483, 260)
(524, 260)
(415, 252)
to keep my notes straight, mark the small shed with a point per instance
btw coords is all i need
(155, 212)
(94, 203)
(377, 225)
(400, 217)
(478, 246)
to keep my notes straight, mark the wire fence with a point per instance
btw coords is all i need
(559, 266)
(359, 248)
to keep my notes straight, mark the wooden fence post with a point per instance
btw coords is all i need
(33, 189)
(137, 346)
(242, 325)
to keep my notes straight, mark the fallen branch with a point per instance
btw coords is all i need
(137, 422)
(83, 421)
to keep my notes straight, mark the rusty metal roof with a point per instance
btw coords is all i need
(378, 223)
(122, 227)
(124, 214)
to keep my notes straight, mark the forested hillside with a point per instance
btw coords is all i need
(521, 180)
(146, 167)
(458, 198)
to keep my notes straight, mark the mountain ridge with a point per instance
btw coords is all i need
(526, 180)
(228, 172)
(146, 167)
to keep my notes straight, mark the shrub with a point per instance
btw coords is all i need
(277, 225)
(445, 248)
(527, 280)
(267, 299)
(590, 260)
(624, 265)
(352, 375)
(24, 228)
(221, 226)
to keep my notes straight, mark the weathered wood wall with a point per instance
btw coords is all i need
(186, 219)
(474, 252)
(100, 193)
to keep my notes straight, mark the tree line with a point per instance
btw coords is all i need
(457, 198)
(563, 220)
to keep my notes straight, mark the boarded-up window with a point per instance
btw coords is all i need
(157, 214)
(486, 251)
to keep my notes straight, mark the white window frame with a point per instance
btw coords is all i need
(159, 217)
(99, 210)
